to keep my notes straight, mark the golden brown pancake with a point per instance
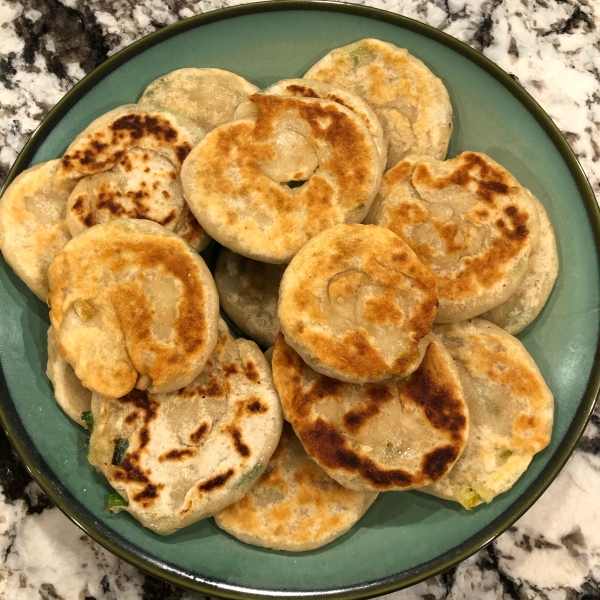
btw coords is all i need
(133, 305)
(357, 304)
(237, 180)
(248, 293)
(468, 220)
(142, 185)
(70, 394)
(526, 303)
(207, 96)
(104, 142)
(32, 223)
(409, 100)
(181, 456)
(511, 411)
(391, 435)
(305, 88)
(295, 505)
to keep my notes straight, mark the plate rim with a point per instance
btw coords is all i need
(85, 520)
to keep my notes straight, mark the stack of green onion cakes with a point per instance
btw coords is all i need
(389, 300)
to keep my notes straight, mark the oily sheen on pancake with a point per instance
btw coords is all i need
(237, 180)
(391, 435)
(295, 505)
(207, 96)
(468, 220)
(32, 223)
(104, 142)
(409, 100)
(70, 394)
(510, 406)
(357, 304)
(305, 88)
(182, 456)
(142, 185)
(248, 293)
(525, 304)
(133, 305)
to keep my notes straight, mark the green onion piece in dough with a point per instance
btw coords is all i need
(116, 499)
(121, 446)
(88, 418)
(246, 477)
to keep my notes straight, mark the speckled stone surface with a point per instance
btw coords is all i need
(551, 48)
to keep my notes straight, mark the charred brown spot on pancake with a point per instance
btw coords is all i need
(331, 448)
(183, 150)
(215, 482)
(131, 417)
(78, 205)
(437, 462)
(323, 387)
(197, 435)
(149, 494)
(301, 90)
(470, 169)
(129, 470)
(251, 372)
(230, 369)
(377, 393)
(255, 406)
(241, 448)
(438, 395)
(178, 454)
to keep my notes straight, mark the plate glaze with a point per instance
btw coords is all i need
(405, 536)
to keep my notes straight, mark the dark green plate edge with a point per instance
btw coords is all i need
(40, 471)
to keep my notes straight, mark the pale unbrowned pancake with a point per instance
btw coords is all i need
(357, 304)
(409, 100)
(142, 185)
(237, 180)
(391, 435)
(468, 220)
(248, 293)
(182, 456)
(207, 96)
(305, 88)
(69, 392)
(133, 305)
(104, 142)
(32, 223)
(295, 505)
(511, 411)
(526, 303)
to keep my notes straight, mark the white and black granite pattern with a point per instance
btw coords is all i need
(552, 48)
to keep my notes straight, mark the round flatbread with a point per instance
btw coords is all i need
(411, 103)
(142, 185)
(248, 293)
(104, 142)
(295, 505)
(392, 435)
(468, 220)
(180, 457)
(526, 303)
(32, 223)
(305, 88)
(207, 96)
(69, 392)
(133, 305)
(240, 181)
(511, 410)
(357, 304)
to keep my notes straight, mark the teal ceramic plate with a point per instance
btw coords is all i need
(405, 537)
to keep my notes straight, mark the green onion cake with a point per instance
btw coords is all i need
(511, 410)
(133, 305)
(179, 457)
(391, 435)
(469, 221)
(357, 304)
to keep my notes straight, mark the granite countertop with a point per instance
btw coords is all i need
(552, 48)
